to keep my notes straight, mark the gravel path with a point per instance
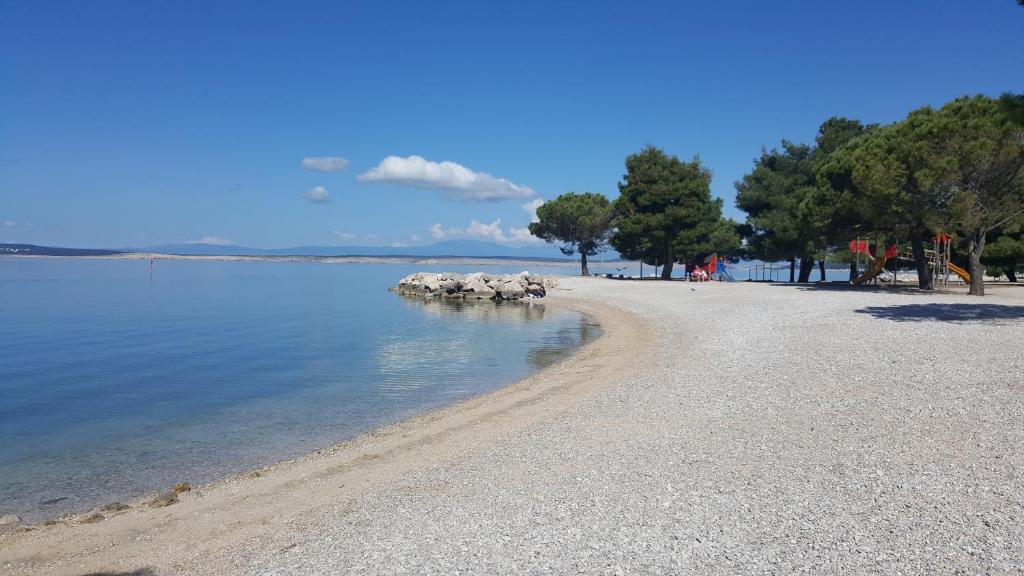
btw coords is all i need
(765, 429)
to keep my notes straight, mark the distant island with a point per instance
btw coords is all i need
(447, 252)
(33, 250)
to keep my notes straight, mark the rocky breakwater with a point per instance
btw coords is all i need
(478, 285)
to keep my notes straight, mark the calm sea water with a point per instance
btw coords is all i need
(116, 381)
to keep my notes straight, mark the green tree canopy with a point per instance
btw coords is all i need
(723, 238)
(789, 215)
(774, 195)
(888, 184)
(1005, 252)
(665, 210)
(581, 223)
(957, 169)
(836, 133)
(982, 149)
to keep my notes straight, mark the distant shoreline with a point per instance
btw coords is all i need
(423, 260)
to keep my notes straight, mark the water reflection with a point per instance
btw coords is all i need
(582, 332)
(406, 364)
(516, 312)
(568, 331)
(115, 382)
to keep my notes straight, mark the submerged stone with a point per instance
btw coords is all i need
(115, 507)
(162, 500)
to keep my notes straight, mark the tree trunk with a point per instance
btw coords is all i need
(584, 271)
(821, 268)
(925, 278)
(853, 270)
(806, 267)
(975, 249)
(792, 268)
(666, 271)
(1011, 272)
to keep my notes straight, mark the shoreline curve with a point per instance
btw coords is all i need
(230, 510)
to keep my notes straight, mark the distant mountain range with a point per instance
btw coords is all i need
(451, 248)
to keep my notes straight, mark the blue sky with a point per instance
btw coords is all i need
(142, 123)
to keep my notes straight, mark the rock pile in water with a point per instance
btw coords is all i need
(477, 285)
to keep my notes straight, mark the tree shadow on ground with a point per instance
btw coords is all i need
(847, 287)
(138, 572)
(956, 313)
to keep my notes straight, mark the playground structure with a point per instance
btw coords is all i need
(938, 259)
(940, 262)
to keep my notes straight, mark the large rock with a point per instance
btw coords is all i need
(509, 290)
(478, 289)
(478, 285)
(432, 285)
(450, 285)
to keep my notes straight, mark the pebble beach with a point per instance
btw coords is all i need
(715, 428)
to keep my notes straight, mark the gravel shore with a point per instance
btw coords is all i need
(715, 429)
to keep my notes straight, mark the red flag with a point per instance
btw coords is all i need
(892, 252)
(858, 246)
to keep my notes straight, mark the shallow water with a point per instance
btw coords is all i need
(116, 380)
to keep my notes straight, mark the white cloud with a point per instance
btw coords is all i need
(495, 233)
(317, 195)
(451, 177)
(436, 232)
(490, 231)
(343, 235)
(399, 245)
(10, 223)
(523, 236)
(415, 238)
(212, 240)
(324, 163)
(531, 208)
(486, 231)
